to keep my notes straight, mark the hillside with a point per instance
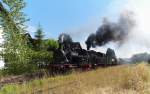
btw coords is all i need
(124, 79)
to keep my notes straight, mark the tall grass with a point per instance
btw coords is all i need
(125, 79)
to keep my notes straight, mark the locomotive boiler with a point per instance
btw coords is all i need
(70, 55)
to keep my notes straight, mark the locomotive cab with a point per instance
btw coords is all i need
(111, 57)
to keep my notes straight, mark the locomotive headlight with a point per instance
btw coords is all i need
(113, 60)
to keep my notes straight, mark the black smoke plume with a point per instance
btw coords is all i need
(64, 38)
(111, 31)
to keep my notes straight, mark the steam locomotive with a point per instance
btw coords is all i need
(70, 55)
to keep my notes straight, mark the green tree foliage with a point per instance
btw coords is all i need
(17, 55)
(51, 44)
(39, 35)
(15, 50)
(40, 54)
(41, 58)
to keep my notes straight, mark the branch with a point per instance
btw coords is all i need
(5, 15)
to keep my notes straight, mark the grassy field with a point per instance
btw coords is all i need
(124, 79)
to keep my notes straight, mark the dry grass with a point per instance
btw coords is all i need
(125, 79)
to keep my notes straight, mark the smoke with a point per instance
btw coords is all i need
(136, 39)
(112, 31)
(64, 38)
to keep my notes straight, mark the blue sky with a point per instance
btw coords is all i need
(57, 16)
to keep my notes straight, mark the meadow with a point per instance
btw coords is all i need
(123, 79)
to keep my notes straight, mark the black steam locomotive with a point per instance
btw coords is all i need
(70, 55)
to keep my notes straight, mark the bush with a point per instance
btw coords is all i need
(51, 44)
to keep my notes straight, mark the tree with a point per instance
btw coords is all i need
(40, 55)
(51, 44)
(15, 50)
(39, 35)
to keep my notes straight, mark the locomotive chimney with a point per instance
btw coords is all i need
(88, 47)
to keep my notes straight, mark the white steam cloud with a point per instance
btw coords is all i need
(138, 40)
